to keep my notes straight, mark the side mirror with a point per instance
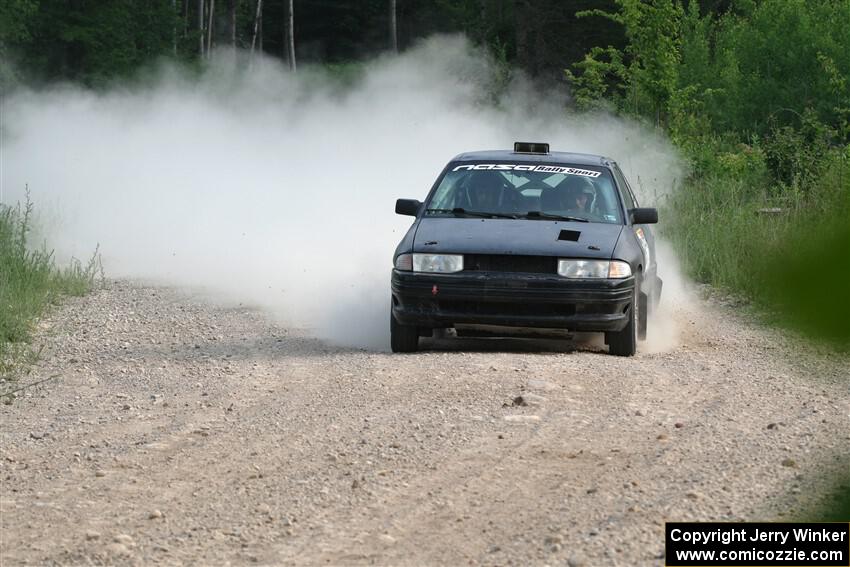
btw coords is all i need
(644, 216)
(409, 207)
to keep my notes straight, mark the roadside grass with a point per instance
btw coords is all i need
(30, 281)
(784, 248)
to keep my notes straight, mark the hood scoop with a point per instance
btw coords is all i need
(569, 235)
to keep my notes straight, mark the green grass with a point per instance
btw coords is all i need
(30, 281)
(783, 247)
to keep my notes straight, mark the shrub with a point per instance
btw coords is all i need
(30, 281)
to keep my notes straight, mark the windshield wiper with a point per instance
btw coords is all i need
(464, 212)
(548, 216)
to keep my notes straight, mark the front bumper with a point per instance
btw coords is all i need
(511, 299)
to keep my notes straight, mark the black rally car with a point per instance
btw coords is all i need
(528, 239)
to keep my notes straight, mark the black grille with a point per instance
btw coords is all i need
(510, 263)
(507, 309)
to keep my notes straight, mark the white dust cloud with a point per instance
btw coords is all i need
(677, 301)
(275, 189)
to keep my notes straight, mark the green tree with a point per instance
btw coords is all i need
(776, 58)
(16, 20)
(95, 40)
(643, 77)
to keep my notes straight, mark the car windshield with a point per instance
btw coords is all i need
(530, 191)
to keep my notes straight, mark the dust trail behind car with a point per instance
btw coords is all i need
(264, 187)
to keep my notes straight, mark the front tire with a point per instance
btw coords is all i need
(624, 343)
(403, 338)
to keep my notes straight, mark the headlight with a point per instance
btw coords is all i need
(593, 269)
(441, 263)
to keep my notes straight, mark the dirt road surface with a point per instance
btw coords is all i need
(173, 431)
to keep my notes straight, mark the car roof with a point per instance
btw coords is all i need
(552, 157)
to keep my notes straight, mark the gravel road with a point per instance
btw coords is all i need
(174, 431)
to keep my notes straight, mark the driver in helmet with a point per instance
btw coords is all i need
(484, 191)
(581, 193)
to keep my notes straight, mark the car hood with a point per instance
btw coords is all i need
(516, 236)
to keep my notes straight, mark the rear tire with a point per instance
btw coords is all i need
(403, 338)
(624, 343)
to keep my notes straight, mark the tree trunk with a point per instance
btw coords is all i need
(258, 17)
(290, 32)
(393, 27)
(174, 29)
(201, 28)
(232, 6)
(284, 52)
(210, 29)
